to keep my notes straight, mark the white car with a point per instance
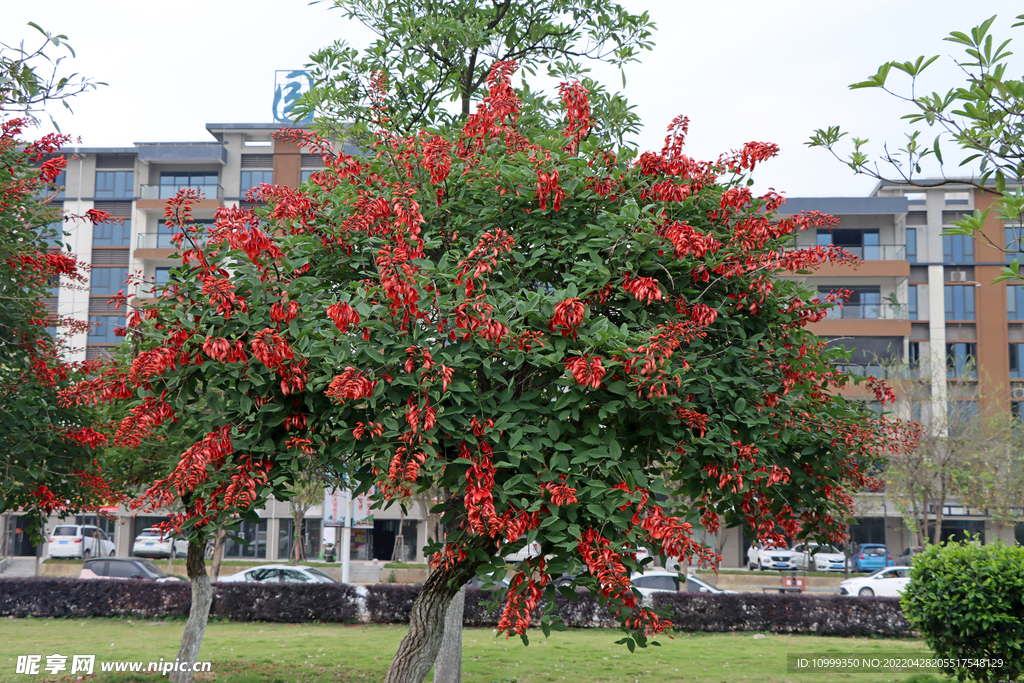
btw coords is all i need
(769, 557)
(279, 573)
(154, 543)
(695, 585)
(653, 582)
(528, 551)
(819, 558)
(888, 582)
(78, 540)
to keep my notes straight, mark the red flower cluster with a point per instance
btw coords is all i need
(343, 315)
(350, 385)
(577, 110)
(642, 288)
(587, 370)
(568, 316)
(520, 602)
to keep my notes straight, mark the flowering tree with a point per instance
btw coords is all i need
(589, 351)
(434, 53)
(45, 448)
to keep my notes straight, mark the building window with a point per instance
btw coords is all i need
(961, 360)
(255, 535)
(1014, 246)
(251, 179)
(912, 302)
(1018, 416)
(864, 302)
(115, 184)
(310, 538)
(163, 276)
(958, 198)
(171, 182)
(959, 302)
(957, 249)
(1017, 361)
(1015, 302)
(914, 354)
(117, 233)
(861, 243)
(107, 281)
(101, 329)
(164, 237)
(57, 186)
(912, 245)
(959, 416)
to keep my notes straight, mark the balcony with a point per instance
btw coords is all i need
(161, 240)
(877, 252)
(164, 192)
(880, 371)
(880, 311)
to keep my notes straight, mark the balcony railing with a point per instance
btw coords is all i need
(160, 240)
(168, 191)
(877, 252)
(880, 371)
(882, 311)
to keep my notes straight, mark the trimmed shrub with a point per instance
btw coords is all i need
(832, 615)
(391, 603)
(72, 598)
(967, 600)
(289, 603)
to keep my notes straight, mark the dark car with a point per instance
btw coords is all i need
(908, 555)
(871, 557)
(123, 568)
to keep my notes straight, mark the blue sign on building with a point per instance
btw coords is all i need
(288, 85)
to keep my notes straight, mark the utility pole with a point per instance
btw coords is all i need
(346, 539)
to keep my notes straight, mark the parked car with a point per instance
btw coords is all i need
(279, 573)
(528, 551)
(908, 554)
(769, 557)
(123, 568)
(78, 540)
(695, 585)
(653, 582)
(819, 558)
(872, 556)
(888, 582)
(153, 542)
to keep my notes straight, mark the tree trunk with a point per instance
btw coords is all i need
(299, 546)
(418, 650)
(448, 665)
(218, 553)
(937, 536)
(198, 613)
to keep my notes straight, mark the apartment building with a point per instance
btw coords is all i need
(132, 184)
(927, 300)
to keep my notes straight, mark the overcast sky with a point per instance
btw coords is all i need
(741, 70)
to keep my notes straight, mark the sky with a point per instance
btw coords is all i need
(742, 70)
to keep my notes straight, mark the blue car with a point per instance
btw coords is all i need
(871, 557)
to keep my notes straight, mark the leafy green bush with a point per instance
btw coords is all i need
(967, 600)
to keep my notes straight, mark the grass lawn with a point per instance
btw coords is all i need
(327, 653)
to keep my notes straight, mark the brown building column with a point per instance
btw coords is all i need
(287, 163)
